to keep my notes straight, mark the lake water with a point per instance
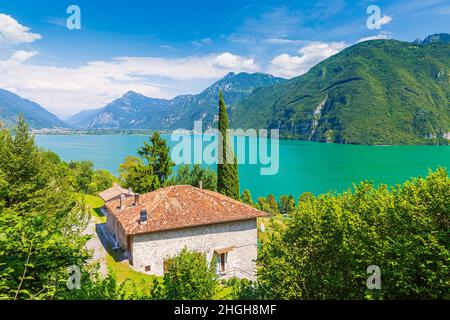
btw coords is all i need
(304, 166)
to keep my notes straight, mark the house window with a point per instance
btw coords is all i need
(222, 262)
(222, 259)
(148, 268)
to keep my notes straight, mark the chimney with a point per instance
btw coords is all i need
(130, 191)
(136, 199)
(122, 202)
(200, 184)
(143, 216)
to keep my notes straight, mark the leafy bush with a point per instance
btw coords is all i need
(189, 277)
(324, 251)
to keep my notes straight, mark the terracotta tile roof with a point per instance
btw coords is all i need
(114, 192)
(179, 207)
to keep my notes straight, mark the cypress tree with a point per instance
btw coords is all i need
(227, 173)
(247, 197)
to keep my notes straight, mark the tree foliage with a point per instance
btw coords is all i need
(83, 173)
(40, 222)
(187, 175)
(247, 197)
(156, 153)
(189, 277)
(286, 204)
(85, 179)
(227, 168)
(326, 248)
(151, 170)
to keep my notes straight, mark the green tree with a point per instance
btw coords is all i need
(101, 180)
(187, 175)
(247, 197)
(227, 168)
(189, 277)
(273, 205)
(323, 252)
(151, 170)
(83, 173)
(40, 221)
(305, 196)
(287, 204)
(85, 179)
(156, 154)
(136, 175)
(263, 205)
(20, 163)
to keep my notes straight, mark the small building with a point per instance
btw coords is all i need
(154, 227)
(115, 192)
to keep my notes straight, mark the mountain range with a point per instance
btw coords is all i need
(374, 92)
(135, 111)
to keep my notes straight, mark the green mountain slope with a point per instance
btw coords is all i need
(12, 106)
(375, 92)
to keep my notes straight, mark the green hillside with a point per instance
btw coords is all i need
(12, 106)
(375, 92)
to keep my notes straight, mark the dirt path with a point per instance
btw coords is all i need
(95, 244)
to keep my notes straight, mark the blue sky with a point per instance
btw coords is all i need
(166, 48)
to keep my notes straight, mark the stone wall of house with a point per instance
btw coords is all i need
(152, 249)
(116, 229)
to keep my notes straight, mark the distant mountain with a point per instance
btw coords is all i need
(135, 111)
(435, 38)
(131, 111)
(12, 106)
(375, 92)
(81, 117)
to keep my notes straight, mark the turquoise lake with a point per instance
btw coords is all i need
(303, 166)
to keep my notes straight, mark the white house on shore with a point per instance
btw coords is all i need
(154, 227)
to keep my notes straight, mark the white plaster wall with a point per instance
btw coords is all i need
(152, 249)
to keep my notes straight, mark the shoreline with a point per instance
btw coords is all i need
(146, 132)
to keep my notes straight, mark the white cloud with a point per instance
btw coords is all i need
(288, 66)
(202, 42)
(22, 56)
(12, 32)
(96, 83)
(283, 41)
(385, 20)
(380, 36)
(233, 62)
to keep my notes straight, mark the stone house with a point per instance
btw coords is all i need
(154, 227)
